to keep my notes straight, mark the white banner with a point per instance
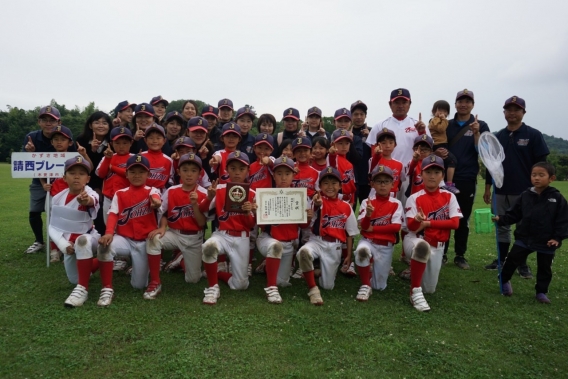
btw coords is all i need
(39, 165)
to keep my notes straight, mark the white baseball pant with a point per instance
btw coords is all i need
(329, 254)
(382, 261)
(81, 252)
(236, 249)
(266, 243)
(433, 265)
(136, 250)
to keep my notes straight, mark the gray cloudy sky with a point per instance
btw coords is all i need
(275, 55)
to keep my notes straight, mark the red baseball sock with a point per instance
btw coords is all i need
(224, 276)
(271, 268)
(310, 279)
(211, 270)
(52, 246)
(95, 265)
(106, 273)
(365, 275)
(182, 264)
(416, 272)
(154, 265)
(84, 267)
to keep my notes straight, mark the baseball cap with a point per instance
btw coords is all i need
(123, 105)
(340, 134)
(238, 156)
(159, 99)
(329, 171)
(432, 161)
(50, 111)
(197, 123)
(400, 93)
(301, 142)
(116, 133)
(359, 105)
(173, 115)
(209, 110)
(424, 138)
(382, 170)
(342, 112)
(155, 128)
(184, 141)
(291, 113)
(515, 100)
(314, 111)
(385, 132)
(225, 103)
(231, 127)
(283, 162)
(138, 160)
(465, 93)
(63, 130)
(144, 108)
(264, 138)
(77, 161)
(190, 158)
(245, 111)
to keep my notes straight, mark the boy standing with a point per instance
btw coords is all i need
(161, 166)
(382, 155)
(230, 137)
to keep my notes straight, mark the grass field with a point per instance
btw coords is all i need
(471, 332)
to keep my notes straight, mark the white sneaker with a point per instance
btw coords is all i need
(211, 295)
(351, 270)
(418, 301)
(119, 265)
(299, 274)
(54, 255)
(106, 297)
(364, 292)
(77, 298)
(222, 267)
(174, 264)
(34, 248)
(152, 291)
(315, 296)
(273, 295)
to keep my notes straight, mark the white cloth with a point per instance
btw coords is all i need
(136, 250)
(329, 254)
(382, 261)
(237, 250)
(264, 243)
(432, 272)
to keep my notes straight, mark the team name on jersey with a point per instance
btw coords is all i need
(180, 211)
(225, 215)
(381, 221)
(258, 176)
(158, 174)
(303, 183)
(337, 221)
(225, 177)
(442, 213)
(410, 129)
(137, 210)
(348, 176)
(111, 173)
(417, 180)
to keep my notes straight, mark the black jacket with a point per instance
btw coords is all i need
(539, 218)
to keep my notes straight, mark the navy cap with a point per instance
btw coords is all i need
(238, 156)
(385, 132)
(138, 160)
(329, 171)
(197, 123)
(119, 132)
(424, 138)
(63, 130)
(144, 108)
(283, 162)
(173, 116)
(382, 170)
(340, 134)
(123, 105)
(245, 111)
(209, 110)
(515, 100)
(155, 127)
(301, 142)
(231, 127)
(264, 138)
(50, 111)
(359, 105)
(314, 111)
(225, 103)
(190, 158)
(465, 93)
(432, 161)
(400, 93)
(77, 161)
(291, 113)
(184, 141)
(159, 99)
(343, 112)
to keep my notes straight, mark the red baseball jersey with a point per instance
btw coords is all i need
(385, 220)
(345, 168)
(222, 167)
(57, 186)
(114, 178)
(65, 199)
(260, 176)
(396, 167)
(161, 169)
(318, 167)
(335, 219)
(177, 208)
(415, 175)
(135, 217)
(306, 177)
(235, 221)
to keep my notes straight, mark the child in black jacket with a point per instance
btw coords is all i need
(541, 215)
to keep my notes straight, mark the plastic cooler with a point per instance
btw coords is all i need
(483, 223)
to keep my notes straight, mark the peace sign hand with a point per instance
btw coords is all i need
(212, 190)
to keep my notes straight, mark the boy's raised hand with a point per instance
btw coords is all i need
(265, 161)
(80, 149)
(108, 153)
(332, 150)
(193, 196)
(212, 190)
(378, 149)
(175, 156)
(213, 162)
(155, 203)
(420, 216)
(369, 210)
(30, 145)
(317, 200)
(116, 121)
(83, 197)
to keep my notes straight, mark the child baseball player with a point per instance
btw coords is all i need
(230, 137)
(430, 215)
(422, 149)
(541, 215)
(382, 155)
(161, 166)
(71, 227)
(333, 224)
(232, 237)
(131, 218)
(306, 176)
(380, 218)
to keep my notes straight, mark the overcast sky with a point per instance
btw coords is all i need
(279, 54)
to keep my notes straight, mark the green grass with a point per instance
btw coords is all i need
(471, 332)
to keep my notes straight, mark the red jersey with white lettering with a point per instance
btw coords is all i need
(335, 219)
(439, 207)
(135, 216)
(222, 167)
(65, 199)
(57, 186)
(386, 219)
(161, 169)
(306, 177)
(397, 168)
(177, 208)
(260, 176)
(345, 168)
(415, 175)
(113, 172)
(235, 221)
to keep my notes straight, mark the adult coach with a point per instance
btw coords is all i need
(523, 146)
(463, 134)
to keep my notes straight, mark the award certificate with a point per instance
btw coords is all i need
(281, 206)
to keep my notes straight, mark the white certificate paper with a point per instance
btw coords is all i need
(281, 206)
